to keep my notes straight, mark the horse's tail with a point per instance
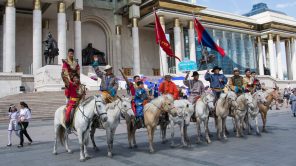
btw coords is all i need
(61, 134)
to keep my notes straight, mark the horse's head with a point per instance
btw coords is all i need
(209, 100)
(249, 100)
(189, 110)
(261, 97)
(100, 110)
(168, 105)
(126, 107)
(231, 99)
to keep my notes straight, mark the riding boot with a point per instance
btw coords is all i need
(68, 127)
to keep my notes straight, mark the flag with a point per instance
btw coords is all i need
(161, 39)
(205, 39)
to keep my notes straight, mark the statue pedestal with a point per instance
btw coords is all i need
(48, 78)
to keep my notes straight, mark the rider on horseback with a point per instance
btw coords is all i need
(217, 81)
(76, 92)
(236, 82)
(195, 86)
(141, 98)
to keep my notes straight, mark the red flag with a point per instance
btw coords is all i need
(205, 39)
(161, 39)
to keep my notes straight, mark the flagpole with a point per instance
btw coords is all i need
(160, 59)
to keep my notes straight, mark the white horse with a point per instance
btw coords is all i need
(223, 105)
(245, 102)
(202, 110)
(258, 98)
(82, 121)
(114, 110)
(184, 112)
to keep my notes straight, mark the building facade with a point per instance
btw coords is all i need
(124, 31)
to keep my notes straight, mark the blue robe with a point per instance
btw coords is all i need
(140, 96)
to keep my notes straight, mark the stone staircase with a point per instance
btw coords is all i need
(43, 104)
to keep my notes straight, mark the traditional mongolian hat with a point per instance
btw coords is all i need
(215, 68)
(108, 67)
(195, 73)
(235, 69)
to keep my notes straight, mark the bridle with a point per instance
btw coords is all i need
(123, 111)
(208, 102)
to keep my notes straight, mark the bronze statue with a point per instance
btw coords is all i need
(89, 52)
(206, 58)
(51, 49)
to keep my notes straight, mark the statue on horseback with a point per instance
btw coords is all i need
(51, 49)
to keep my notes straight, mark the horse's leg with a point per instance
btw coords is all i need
(236, 125)
(206, 125)
(129, 137)
(224, 128)
(81, 143)
(163, 131)
(134, 137)
(82, 156)
(257, 126)
(109, 141)
(92, 137)
(56, 128)
(66, 143)
(186, 136)
(149, 130)
(172, 134)
(263, 116)
(152, 136)
(242, 126)
(198, 130)
(219, 127)
(182, 134)
(248, 123)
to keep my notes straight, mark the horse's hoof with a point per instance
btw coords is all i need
(184, 146)
(130, 147)
(82, 160)
(209, 141)
(258, 133)
(225, 138)
(69, 151)
(237, 136)
(87, 157)
(110, 154)
(54, 153)
(151, 151)
(135, 146)
(96, 148)
(172, 146)
(198, 141)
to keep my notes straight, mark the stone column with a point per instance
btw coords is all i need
(77, 36)
(177, 42)
(4, 45)
(136, 47)
(9, 36)
(192, 45)
(62, 32)
(242, 62)
(272, 61)
(280, 73)
(234, 51)
(293, 58)
(162, 55)
(288, 59)
(118, 48)
(219, 57)
(260, 56)
(37, 36)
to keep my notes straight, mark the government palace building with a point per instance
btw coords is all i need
(122, 33)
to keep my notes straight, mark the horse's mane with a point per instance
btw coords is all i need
(87, 100)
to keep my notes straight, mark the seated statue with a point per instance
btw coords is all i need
(89, 52)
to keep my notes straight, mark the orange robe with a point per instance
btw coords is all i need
(169, 87)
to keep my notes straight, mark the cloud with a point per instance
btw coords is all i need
(285, 5)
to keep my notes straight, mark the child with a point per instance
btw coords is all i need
(13, 115)
(140, 98)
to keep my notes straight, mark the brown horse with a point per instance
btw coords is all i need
(271, 94)
(152, 112)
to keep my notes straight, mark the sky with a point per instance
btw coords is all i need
(244, 6)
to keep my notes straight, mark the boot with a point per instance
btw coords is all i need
(294, 114)
(68, 127)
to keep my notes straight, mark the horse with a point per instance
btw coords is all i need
(223, 105)
(152, 112)
(184, 110)
(82, 121)
(259, 97)
(271, 94)
(203, 107)
(114, 110)
(245, 102)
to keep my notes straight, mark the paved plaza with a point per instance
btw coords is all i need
(277, 147)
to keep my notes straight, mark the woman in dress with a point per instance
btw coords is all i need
(13, 115)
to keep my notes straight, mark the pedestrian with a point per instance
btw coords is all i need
(293, 103)
(24, 118)
(286, 96)
(13, 115)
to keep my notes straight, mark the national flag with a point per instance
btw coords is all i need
(161, 38)
(205, 39)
